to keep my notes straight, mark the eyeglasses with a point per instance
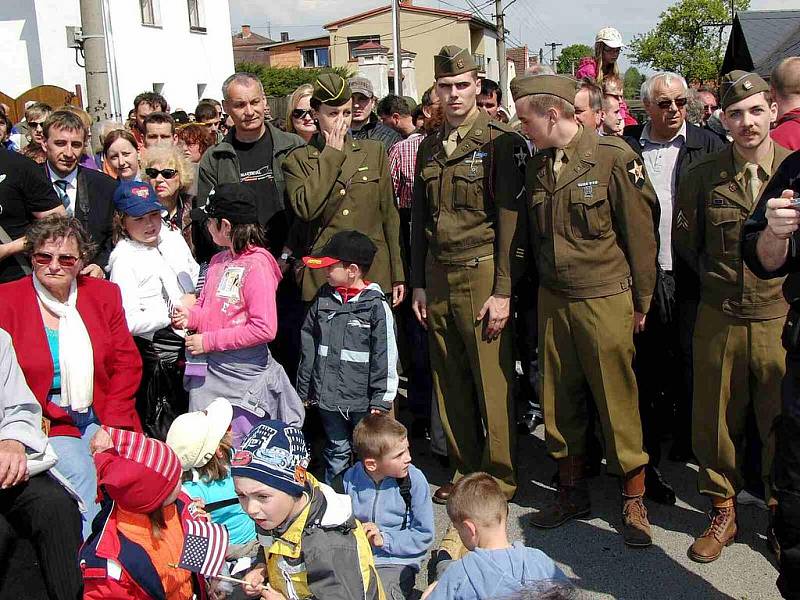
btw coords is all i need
(666, 104)
(35, 124)
(299, 113)
(64, 260)
(166, 173)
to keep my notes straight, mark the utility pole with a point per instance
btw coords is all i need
(553, 46)
(501, 46)
(398, 62)
(98, 92)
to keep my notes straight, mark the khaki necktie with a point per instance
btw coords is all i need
(558, 162)
(754, 185)
(451, 142)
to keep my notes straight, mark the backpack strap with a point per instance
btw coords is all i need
(404, 485)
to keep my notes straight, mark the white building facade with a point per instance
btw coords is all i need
(179, 48)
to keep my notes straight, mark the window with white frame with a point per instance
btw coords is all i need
(150, 12)
(196, 17)
(316, 57)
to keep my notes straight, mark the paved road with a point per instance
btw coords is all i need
(591, 552)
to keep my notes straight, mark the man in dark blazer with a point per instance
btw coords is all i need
(85, 193)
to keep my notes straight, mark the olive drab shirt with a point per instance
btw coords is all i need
(460, 199)
(592, 230)
(331, 190)
(712, 206)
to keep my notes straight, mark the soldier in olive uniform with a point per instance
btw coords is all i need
(336, 183)
(590, 219)
(467, 181)
(737, 348)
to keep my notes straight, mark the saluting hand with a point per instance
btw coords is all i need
(782, 218)
(498, 308)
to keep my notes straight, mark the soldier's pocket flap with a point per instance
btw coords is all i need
(588, 196)
(724, 216)
(428, 173)
(537, 198)
(469, 175)
(366, 177)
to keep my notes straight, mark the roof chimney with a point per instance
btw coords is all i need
(407, 2)
(245, 31)
(284, 36)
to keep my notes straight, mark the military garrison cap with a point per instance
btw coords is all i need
(331, 89)
(555, 85)
(738, 85)
(451, 61)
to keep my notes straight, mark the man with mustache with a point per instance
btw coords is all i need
(738, 357)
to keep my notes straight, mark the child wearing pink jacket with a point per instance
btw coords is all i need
(235, 316)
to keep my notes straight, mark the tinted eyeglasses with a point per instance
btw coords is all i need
(35, 124)
(166, 173)
(299, 113)
(666, 104)
(64, 260)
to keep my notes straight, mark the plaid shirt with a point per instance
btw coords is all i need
(402, 160)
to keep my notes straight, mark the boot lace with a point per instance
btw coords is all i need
(719, 522)
(635, 510)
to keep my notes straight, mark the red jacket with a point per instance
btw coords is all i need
(115, 568)
(787, 130)
(117, 363)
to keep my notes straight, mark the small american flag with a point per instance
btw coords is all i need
(204, 548)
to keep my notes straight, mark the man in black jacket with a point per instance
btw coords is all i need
(85, 193)
(668, 144)
(366, 125)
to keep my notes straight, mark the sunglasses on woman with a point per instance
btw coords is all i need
(679, 102)
(166, 173)
(64, 260)
(299, 113)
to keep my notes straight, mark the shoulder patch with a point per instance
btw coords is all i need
(681, 222)
(635, 171)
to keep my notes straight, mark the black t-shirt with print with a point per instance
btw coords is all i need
(24, 190)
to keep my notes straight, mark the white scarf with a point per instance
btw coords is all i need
(75, 353)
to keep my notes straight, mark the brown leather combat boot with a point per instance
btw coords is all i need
(635, 526)
(572, 501)
(720, 533)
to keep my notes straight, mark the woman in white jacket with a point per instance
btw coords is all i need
(155, 270)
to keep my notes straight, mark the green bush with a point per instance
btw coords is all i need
(280, 81)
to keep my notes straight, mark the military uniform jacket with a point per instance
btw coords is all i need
(593, 231)
(711, 211)
(459, 200)
(332, 190)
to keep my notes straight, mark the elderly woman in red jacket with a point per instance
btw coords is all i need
(75, 350)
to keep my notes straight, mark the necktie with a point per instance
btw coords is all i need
(451, 142)
(558, 162)
(61, 189)
(754, 185)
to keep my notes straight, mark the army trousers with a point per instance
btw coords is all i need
(738, 365)
(587, 345)
(472, 378)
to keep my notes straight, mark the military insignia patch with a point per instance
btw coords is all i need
(636, 172)
(459, 64)
(681, 222)
(521, 156)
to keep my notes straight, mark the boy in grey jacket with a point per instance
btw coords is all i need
(348, 363)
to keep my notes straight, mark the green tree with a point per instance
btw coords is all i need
(685, 40)
(279, 81)
(570, 56)
(632, 82)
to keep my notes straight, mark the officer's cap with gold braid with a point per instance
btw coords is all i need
(555, 85)
(331, 89)
(451, 61)
(738, 85)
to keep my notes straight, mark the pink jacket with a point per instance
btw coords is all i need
(587, 67)
(236, 308)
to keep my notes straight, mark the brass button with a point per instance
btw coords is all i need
(342, 192)
(364, 178)
(345, 212)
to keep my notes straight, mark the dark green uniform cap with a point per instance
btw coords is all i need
(738, 85)
(331, 89)
(555, 85)
(451, 61)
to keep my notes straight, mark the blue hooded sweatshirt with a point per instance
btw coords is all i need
(495, 573)
(382, 504)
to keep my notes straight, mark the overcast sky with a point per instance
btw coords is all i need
(575, 21)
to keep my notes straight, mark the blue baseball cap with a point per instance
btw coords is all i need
(136, 198)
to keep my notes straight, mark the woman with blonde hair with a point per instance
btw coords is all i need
(300, 118)
(171, 175)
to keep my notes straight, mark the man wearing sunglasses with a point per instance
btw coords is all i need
(668, 144)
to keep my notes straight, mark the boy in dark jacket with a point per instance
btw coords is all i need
(348, 363)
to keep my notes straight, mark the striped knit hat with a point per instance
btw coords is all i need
(138, 473)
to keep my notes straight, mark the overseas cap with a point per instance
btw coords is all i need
(555, 85)
(331, 89)
(453, 60)
(738, 85)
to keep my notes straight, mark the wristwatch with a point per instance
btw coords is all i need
(287, 258)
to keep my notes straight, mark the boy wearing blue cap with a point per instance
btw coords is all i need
(311, 544)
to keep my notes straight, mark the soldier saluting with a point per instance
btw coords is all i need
(590, 218)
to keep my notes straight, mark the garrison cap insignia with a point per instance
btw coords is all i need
(636, 173)
(681, 222)
(459, 64)
(747, 85)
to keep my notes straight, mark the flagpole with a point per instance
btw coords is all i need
(257, 586)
